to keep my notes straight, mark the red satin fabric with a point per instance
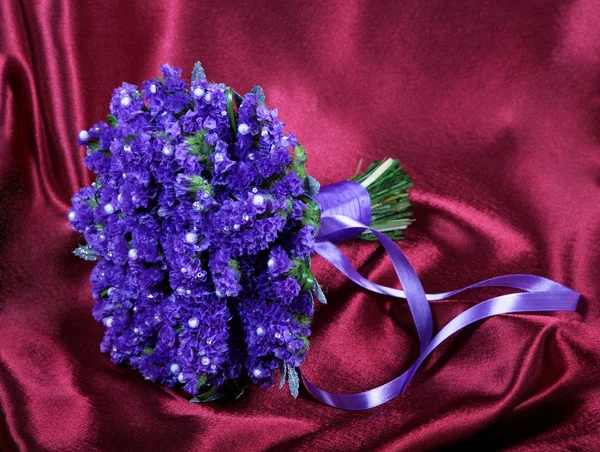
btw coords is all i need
(493, 107)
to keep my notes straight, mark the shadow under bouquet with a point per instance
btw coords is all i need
(203, 220)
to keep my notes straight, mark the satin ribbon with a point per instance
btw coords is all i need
(344, 208)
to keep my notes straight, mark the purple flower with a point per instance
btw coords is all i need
(195, 223)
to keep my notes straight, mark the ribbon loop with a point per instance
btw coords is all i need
(342, 208)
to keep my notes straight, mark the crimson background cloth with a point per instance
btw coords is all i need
(493, 107)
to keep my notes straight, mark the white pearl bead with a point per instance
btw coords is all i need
(260, 331)
(153, 91)
(258, 200)
(257, 373)
(84, 135)
(205, 361)
(271, 263)
(245, 217)
(180, 291)
(108, 208)
(251, 156)
(198, 92)
(218, 157)
(255, 190)
(193, 322)
(181, 378)
(213, 367)
(108, 322)
(196, 206)
(72, 215)
(125, 101)
(175, 369)
(133, 254)
(190, 237)
(243, 129)
(167, 149)
(136, 330)
(277, 335)
(127, 148)
(236, 227)
(120, 198)
(208, 97)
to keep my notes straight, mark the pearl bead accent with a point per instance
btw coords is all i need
(196, 206)
(218, 157)
(277, 336)
(108, 322)
(108, 208)
(181, 378)
(260, 331)
(161, 212)
(127, 148)
(245, 217)
(251, 156)
(133, 254)
(180, 291)
(271, 263)
(175, 369)
(243, 129)
(205, 361)
(255, 190)
(191, 237)
(167, 149)
(198, 92)
(208, 341)
(236, 227)
(101, 237)
(72, 216)
(257, 373)
(153, 89)
(193, 322)
(125, 101)
(258, 200)
(208, 97)
(84, 135)
(213, 367)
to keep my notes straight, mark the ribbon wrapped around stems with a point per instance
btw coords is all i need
(346, 213)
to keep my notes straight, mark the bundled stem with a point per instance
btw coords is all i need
(388, 186)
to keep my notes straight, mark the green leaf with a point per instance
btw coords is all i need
(148, 350)
(198, 146)
(111, 120)
(202, 378)
(198, 72)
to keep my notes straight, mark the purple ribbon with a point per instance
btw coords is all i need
(346, 213)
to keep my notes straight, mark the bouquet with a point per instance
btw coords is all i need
(202, 220)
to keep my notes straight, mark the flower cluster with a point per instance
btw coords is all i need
(203, 232)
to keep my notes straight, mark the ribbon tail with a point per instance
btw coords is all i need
(504, 304)
(541, 294)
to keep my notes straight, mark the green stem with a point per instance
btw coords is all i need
(388, 186)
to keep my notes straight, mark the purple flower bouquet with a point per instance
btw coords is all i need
(203, 221)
